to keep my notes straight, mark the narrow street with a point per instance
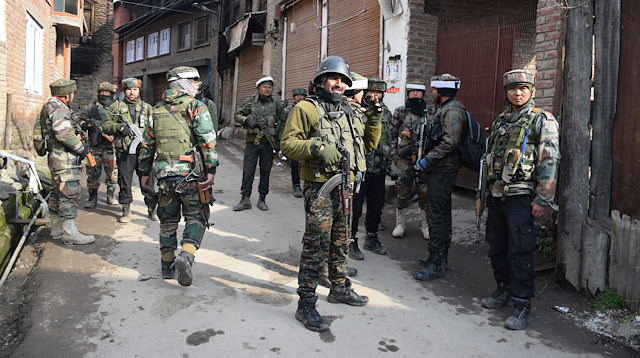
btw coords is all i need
(108, 299)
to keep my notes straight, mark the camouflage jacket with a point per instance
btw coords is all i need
(120, 116)
(269, 112)
(379, 159)
(64, 146)
(198, 119)
(98, 112)
(403, 120)
(442, 143)
(213, 109)
(534, 172)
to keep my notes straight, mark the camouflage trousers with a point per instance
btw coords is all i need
(170, 205)
(325, 239)
(65, 192)
(105, 157)
(409, 182)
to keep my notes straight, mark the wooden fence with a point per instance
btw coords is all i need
(624, 264)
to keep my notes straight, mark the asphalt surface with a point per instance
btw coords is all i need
(109, 300)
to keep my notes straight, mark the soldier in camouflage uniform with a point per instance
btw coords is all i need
(263, 117)
(131, 110)
(102, 147)
(441, 161)
(204, 97)
(315, 129)
(179, 123)
(522, 170)
(299, 94)
(372, 187)
(405, 135)
(66, 151)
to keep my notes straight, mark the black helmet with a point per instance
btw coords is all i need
(334, 64)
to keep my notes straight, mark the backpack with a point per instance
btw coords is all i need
(473, 145)
(39, 137)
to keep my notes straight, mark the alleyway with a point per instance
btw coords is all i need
(108, 300)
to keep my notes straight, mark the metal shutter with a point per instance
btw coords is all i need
(249, 71)
(355, 37)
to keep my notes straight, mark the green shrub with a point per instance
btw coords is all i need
(608, 299)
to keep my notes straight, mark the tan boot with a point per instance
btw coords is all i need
(126, 213)
(72, 235)
(56, 227)
(424, 226)
(401, 220)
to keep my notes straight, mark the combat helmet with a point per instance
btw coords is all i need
(518, 78)
(297, 91)
(358, 82)
(182, 72)
(264, 79)
(333, 64)
(416, 85)
(446, 84)
(376, 83)
(62, 87)
(131, 82)
(106, 86)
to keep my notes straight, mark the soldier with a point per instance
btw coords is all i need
(299, 94)
(102, 147)
(204, 96)
(263, 117)
(124, 121)
(406, 125)
(318, 129)
(66, 152)
(372, 187)
(440, 163)
(179, 123)
(522, 169)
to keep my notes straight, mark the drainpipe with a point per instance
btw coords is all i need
(7, 123)
(284, 58)
(324, 34)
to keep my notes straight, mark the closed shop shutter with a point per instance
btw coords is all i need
(249, 71)
(355, 37)
(303, 46)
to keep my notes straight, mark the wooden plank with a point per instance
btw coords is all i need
(632, 245)
(614, 262)
(594, 257)
(623, 255)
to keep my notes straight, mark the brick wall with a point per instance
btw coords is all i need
(422, 44)
(524, 48)
(549, 28)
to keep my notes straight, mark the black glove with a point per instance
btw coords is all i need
(393, 175)
(84, 153)
(85, 126)
(125, 131)
(251, 122)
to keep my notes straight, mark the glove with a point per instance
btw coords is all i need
(85, 126)
(421, 164)
(392, 175)
(125, 131)
(251, 122)
(326, 153)
(84, 153)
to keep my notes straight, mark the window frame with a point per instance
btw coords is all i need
(34, 39)
(139, 53)
(206, 32)
(164, 47)
(184, 36)
(152, 44)
(130, 52)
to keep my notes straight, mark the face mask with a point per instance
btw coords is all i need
(329, 96)
(106, 100)
(416, 105)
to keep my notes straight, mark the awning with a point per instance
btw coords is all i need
(237, 32)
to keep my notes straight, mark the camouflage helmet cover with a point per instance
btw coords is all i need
(299, 91)
(376, 83)
(131, 82)
(334, 64)
(445, 80)
(62, 87)
(106, 86)
(414, 85)
(358, 82)
(182, 72)
(518, 77)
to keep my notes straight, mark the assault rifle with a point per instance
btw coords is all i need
(343, 177)
(197, 174)
(95, 130)
(82, 137)
(481, 193)
(136, 137)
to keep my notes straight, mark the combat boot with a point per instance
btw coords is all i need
(445, 262)
(153, 214)
(373, 244)
(126, 213)
(433, 269)
(424, 226)
(245, 203)
(401, 220)
(262, 205)
(499, 298)
(345, 294)
(183, 263)
(309, 316)
(297, 192)
(354, 250)
(93, 199)
(352, 272)
(168, 269)
(72, 235)
(56, 227)
(111, 196)
(521, 314)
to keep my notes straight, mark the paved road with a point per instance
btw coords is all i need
(108, 299)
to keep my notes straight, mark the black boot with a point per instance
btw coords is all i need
(245, 203)
(433, 269)
(354, 250)
(168, 270)
(309, 316)
(373, 244)
(351, 272)
(297, 192)
(521, 314)
(423, 262)
(262, 205)
(344, 294)
(183, 263)
(499, 298)
(93, 199)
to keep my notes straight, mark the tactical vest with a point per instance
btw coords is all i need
(98, 113)
(410, 124)
(172, 132)
(264, 111)
(334, 127)
(512, 149)
(122, 142)
(379, 160)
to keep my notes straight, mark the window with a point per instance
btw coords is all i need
(184, 36)
(33, 56)
(88, 15)
(202, 31)
(165, 41)
(66, 6)
(152, 45)
(139, 48)
(131, 47)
